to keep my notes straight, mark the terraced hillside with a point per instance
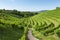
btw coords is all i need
(44, 26)
(12, 27)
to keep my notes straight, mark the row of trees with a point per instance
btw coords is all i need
(18, 13)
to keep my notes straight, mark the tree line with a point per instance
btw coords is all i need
(18, 13)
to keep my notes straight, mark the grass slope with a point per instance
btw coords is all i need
(44, 26)
(49, 28)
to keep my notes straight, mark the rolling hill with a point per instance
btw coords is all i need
(14, 24)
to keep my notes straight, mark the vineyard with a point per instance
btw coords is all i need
(44, 26)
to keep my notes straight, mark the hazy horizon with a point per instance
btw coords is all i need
(29, 5)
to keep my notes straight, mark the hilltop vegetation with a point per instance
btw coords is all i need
(18, 13)
(45, 25)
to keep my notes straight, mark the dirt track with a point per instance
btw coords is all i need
(30, 36)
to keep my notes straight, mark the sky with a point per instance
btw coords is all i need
(29, 5)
